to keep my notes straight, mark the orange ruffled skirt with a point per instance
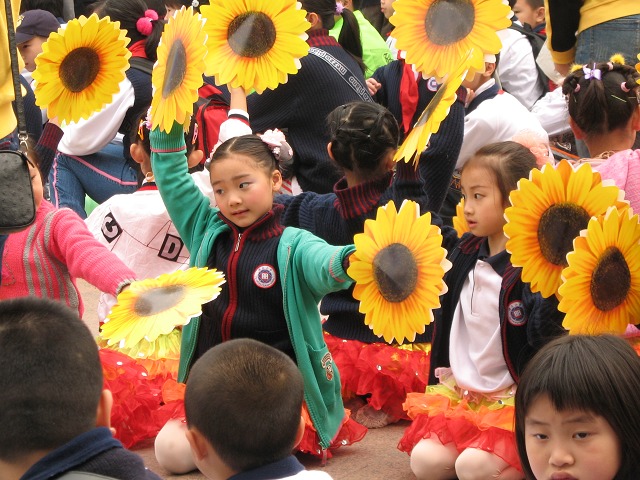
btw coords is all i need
(466, 419)
(385, 372)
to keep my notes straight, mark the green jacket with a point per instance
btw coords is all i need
(375, 52)
(309, 268)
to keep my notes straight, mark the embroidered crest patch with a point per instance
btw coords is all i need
(264, 276)
(515, 313)
(327, 364)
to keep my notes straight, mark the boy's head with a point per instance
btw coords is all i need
(387, 8)
(530, 11)
(50, 378)
(480, 78)
(34, 27)
(243, 405)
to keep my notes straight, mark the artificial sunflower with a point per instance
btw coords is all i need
(437, 34)
(255, 44)
(398, 267)
(600, 292)
(153, 307)
(163, 347)
(459, 222)
(81, 67)
(177, 74)
(638, 68)
(432, 116)
(547, 212)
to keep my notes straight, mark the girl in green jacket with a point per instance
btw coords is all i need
(275, 277)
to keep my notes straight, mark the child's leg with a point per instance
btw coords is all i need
(431, 460)
(475, 464)
(172, 448)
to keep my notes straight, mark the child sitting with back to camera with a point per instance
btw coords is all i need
(275, 277)
(604, 111)
(232, 389)
(578, 411)
(490, 324)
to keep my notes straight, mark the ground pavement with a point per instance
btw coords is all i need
(375, 457)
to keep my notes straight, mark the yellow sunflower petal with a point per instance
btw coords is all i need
(254, 44)
(153, 307)
(599, 291)
(402, 280)
(459, 222)
(82, 67)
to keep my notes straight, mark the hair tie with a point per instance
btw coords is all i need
(610, 65)
(339, 8)
(577, 89)
(592, 73)
(195, 3)
(278, 145)
(144, 24)
(624, 87)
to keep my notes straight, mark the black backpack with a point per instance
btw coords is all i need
(536, 41)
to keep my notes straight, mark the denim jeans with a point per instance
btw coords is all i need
(99, 175)
(598, 43)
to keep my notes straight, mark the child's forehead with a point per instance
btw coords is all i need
(234, 164)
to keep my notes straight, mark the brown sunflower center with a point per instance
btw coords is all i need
(558, 226)
(176, 68)
(251, 34)
(611, 280)
(79, 69)
(159, 299)
(448, 21)
(395, 272)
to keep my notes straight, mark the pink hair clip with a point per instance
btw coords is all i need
(144, 24)
(624, 88)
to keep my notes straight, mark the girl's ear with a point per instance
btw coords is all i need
(137, 153)
(103, 414)
(330, 152)
(635, 119)
(276, 180)
(577, 131)
(314, 20)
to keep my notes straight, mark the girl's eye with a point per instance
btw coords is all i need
(581, 435)
(477, 196)
(540, 436)
(244, 184)
(219, 191)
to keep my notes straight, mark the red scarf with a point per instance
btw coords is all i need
(137, 49)
(408, 96)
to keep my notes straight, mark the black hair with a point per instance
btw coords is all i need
(245, 397)
(50, 376)
(128, 12)
(362, 134)
(55, 7)
(140, 134)
(177, 4)
(535, 3)
(508, 161)
(251, 146)
(600, 106)
(596, 374)
(349, 37)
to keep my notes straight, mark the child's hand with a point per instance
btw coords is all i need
(238, 98)
(373, 85)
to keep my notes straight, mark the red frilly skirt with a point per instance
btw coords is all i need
(466, 419)
(385, 372)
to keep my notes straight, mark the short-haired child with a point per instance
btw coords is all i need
(531, 12)
(232, 389)
(489, 326)
(54, 412)
(275, 276)
(578, 410)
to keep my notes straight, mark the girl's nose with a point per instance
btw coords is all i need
(560, 455)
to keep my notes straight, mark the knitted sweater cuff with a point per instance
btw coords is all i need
(173, 141)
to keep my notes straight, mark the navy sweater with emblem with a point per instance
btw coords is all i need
(538, 321)
(336, 217)
(250, 302)
(300, 107)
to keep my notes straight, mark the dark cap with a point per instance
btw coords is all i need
(35, 23)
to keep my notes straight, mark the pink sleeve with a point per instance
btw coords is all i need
(72, 243)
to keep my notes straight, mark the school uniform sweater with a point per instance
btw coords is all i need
(336, 217)
(300, 107)
(527, 320)
(45, 259)
(307, 266)
(95, 451)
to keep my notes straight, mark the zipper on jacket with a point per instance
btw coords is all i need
(238, 242)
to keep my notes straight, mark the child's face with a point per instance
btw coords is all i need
(387, 7)
(527, 14)
(243, 189)
(36, 184)
(171, 9)
(30, 50)
(483, 202)
(570, 444)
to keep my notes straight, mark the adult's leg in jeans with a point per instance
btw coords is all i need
(65, 188)
(103, 175)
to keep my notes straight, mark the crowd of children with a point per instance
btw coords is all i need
(282, 360)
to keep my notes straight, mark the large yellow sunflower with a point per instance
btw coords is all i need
(177, 74)
(459, 222)
(398, 267)
(432, 116)
(638, 68)
(437, 34)
(548, 211)
(255, 44)
(81, 67)
(601, 286)
(153, 307)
